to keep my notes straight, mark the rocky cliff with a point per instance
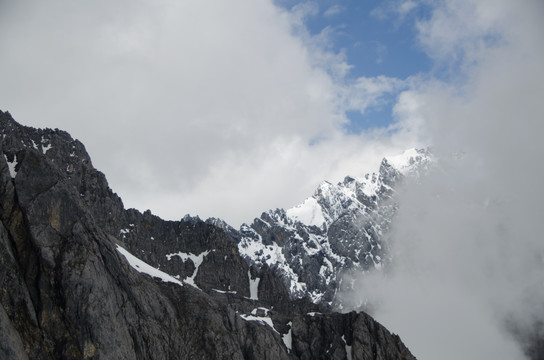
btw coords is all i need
(341, 228)
(84, 278)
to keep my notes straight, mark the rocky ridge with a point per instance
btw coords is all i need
(84, 278)
(340, 228)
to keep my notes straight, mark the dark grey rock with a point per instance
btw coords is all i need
(333, 336)
(68, 293)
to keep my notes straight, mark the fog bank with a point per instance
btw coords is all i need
(467, 246)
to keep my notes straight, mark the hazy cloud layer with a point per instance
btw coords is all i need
(467, 244)
(213, 108)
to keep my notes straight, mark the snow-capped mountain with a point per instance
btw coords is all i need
(85, 278)
(340, 227)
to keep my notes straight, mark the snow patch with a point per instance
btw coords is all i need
(288, 338)
(406, 161)
(265, 320)
(313, 313)
(46, 148)
(224, 292)
(316, 296)
(309, 213)
(348, 348)
(253, 287)
(260, 308)
(370, 186)
(122, 232)
(197, 261)
(262, 254)
(11, 166)
(145, 268)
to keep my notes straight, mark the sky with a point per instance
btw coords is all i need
(214, 109)
(228, 109)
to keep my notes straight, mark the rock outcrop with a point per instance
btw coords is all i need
(341, 228)
(75, 283)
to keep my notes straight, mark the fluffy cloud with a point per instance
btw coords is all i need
(469, 259)
(212, 108)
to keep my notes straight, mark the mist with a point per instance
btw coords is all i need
(467, 274)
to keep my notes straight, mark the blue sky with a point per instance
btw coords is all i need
(376, 39)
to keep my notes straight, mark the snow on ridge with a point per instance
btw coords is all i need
(145, 268)
(309, 213)
(272, 255)
(355, 200)
(402, 160)
(259, 252)
(369, 185)
(405, 161)
(265, 320)
(336, 200)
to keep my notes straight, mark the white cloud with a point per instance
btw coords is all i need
(380, 51)
(181, 101)
(368, 92)
(457, 30)
(277, 174)
(467, 242)
(334, 10)
(394, 8)
(303, 10)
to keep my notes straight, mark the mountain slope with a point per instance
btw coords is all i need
(75, 283)
(340, 228)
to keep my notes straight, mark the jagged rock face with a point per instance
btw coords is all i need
(70, 288)
(340, 228)
(188, 249)
(314, 343)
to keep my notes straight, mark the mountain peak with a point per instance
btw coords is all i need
(83, 277)
(409, 161)
(339, 228)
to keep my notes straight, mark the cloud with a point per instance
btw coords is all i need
(380, 51)
(458, 30)
(277, 175)
(468, 267)
(394, 8)
(369, 92)
(333, 10)
(303, 10)
(181, 101)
